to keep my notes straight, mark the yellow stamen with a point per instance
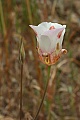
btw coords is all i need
(46, 58)
(37, 44)
(57, 47)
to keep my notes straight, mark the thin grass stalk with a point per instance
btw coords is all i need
(45, 12)
(39, 75)
(29, 11)
(1, 15)
(70, 54)
(38, 111)
(53, 9)
(2, 19)
(4, 31)
(21, 59)
(21, 91)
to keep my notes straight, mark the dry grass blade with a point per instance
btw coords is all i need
(29, 11)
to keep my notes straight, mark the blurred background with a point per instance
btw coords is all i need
(62, 101)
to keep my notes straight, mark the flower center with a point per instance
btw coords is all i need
(52, 27)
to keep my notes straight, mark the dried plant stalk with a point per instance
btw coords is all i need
(29, 11)
(4, 33)
(39, 75)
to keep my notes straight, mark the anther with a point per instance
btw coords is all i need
(57, 47)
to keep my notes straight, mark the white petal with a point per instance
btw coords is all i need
(48, 38)
(45, 43)
(41, 28)
(56, 25)
(38, 29)
(46, 25)
(64, 26)
(53, 36)
(53, 33)
(62, 36)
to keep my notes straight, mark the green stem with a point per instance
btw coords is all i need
(43, 94)
(2, 19)
(21, 91)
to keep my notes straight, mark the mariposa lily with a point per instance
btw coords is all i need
(49, 41)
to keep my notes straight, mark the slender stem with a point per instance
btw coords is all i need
(43, 94)
(2, 19)
(21, 91)
(29, 11)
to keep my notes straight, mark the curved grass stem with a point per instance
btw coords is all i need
(43, 94)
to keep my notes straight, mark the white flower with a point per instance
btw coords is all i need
(49, 38)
